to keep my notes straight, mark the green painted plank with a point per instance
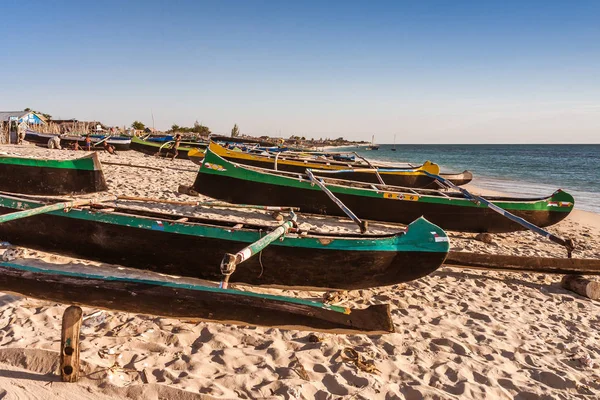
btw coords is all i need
(86, 164)
(189, 286)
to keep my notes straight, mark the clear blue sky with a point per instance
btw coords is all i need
(431, 71)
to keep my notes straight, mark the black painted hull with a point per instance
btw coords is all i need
(200, 257)
(69, 141)
(50, 181)
(152, 151)
(190, 304)
(448, 217)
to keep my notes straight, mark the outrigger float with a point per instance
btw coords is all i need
(175, 297)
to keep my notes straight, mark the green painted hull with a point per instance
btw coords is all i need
(237, 183)
(154, 294)
(51, 177)
(157, 148)
(157, 242)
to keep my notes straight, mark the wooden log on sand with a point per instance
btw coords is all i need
(582, 286)
(543, 265)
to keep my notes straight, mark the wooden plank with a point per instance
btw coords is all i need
(69, 344)
(544, 265)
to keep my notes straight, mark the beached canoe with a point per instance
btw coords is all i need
(195, 247)
(236, 183)
(155, 294)
(196, 155)
(410, 177)
(51, 177)
(120, 143)
(406, 176)
(162, 148)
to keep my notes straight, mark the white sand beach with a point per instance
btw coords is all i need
(460, 334)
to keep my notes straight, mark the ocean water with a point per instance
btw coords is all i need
(522, 170)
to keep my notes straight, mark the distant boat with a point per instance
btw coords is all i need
(119, 142)
(372, 146)
(394, 146)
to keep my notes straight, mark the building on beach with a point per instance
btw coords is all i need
(14, 122)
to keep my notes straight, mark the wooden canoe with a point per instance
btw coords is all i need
(51, 177)
(237, 183)
(161, 242)
(154, 294)
(408, 176)
(120, 143)
(162, 148)
(196, 155)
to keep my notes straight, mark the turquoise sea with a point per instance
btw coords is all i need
(525, 170)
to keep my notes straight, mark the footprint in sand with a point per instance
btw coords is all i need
(456, 347)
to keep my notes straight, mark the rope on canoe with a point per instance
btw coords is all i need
(262, 269)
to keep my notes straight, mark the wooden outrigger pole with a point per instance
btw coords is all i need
(43, 210)
(209, 204)
(363, 225)
(567, 243)
(372, 166)
(231, 261)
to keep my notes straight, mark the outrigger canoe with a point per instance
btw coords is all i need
(51, 177)
(155, 294)
(236, 183)
(162, 148)
(406, 176)
(194, 247)
(120, 143)
(196, 155)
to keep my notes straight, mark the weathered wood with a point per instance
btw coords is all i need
(69, 344)
(155, 294)
(51, 177)
(362, 225)
(230, 261)
(153, 240)
(42, 210)
(207, 203)
(236, 183)
(567, 243)
(543, 265)
(154, 200)
(131, 165)
(582, 286)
